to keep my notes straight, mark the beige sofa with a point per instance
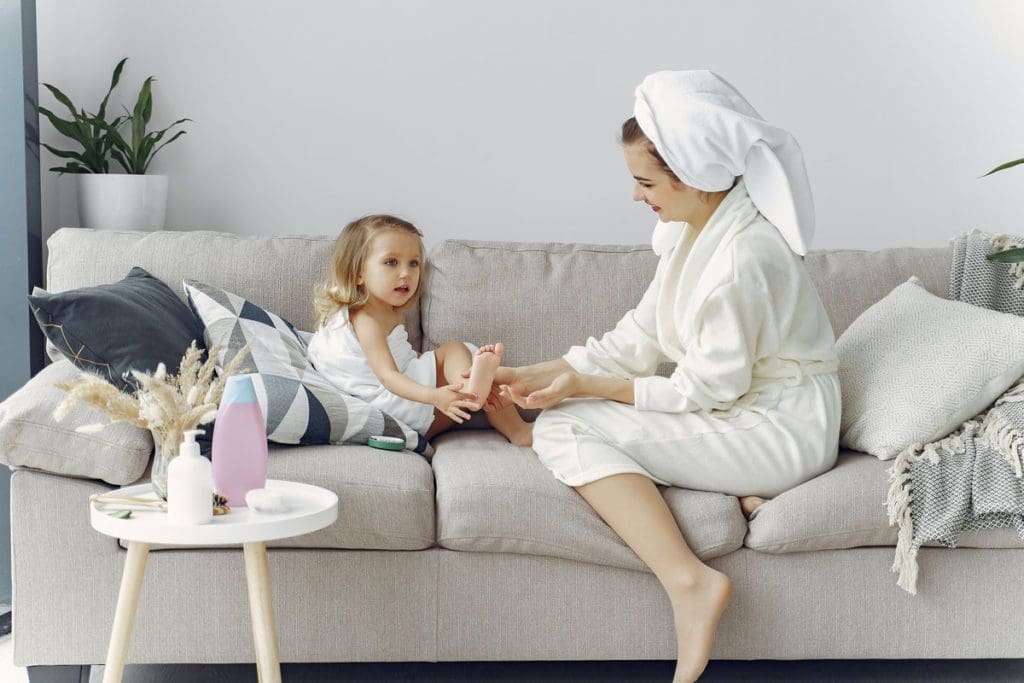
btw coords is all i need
(479, 554)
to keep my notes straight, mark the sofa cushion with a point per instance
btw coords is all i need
(298, 404)
(912, 346)
(843, 508)
(385, 498)
(133, 324)
(496, 497)
(31, 437)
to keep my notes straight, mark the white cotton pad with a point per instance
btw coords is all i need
(266, 501)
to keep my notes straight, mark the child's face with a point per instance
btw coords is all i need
(391, 270)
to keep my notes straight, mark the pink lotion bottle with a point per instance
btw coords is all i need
(239, 442)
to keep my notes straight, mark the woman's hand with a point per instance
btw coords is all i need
(563, 386)
(524, 380)
(453, 402)
(494, 400)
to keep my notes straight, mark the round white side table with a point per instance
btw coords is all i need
(309, 508)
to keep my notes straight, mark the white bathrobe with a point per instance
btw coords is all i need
(753, 405)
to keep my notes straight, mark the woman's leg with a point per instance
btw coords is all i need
(634, 508)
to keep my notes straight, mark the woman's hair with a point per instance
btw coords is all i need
(632, 134)
(339, 289)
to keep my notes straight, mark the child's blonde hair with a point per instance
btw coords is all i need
(340, 290)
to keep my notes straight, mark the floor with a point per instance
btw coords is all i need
(823, 671)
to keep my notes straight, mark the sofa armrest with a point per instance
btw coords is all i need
(31, 437)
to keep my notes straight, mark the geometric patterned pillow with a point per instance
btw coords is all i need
(299, 405)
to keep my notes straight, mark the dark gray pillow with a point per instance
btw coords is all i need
(136, 323)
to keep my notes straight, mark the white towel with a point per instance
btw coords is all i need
(708, 134)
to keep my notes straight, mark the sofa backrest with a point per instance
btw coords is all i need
(537, 298)
(540, 299)
(850, 281)
(278, 273)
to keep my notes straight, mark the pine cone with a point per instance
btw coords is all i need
(220, 504)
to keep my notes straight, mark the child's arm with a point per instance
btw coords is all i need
(374, 342)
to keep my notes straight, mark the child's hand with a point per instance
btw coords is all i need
(454, 403)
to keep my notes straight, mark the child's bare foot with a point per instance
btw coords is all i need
(481, 375)
(698, 605)
(749, 504)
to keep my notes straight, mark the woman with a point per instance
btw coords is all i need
(752, 407)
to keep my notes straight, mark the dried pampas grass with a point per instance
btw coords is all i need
(167, 405)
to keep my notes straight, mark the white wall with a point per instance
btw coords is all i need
(498, 121)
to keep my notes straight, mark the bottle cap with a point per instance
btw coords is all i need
(239, 389)
(189, 445)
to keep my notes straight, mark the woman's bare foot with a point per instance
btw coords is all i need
(749, 504)
(485, 365)
(698, 604)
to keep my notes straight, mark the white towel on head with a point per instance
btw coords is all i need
(708, 134)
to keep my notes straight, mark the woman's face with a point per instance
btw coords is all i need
(669, 198)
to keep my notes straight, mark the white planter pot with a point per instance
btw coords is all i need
(116, 201)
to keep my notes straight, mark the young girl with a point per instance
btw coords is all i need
(361, 345)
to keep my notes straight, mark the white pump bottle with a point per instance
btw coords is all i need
(190, 484)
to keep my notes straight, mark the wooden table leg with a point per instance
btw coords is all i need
(124, 615)
(261, 609)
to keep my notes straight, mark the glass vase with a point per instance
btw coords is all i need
(158, 473)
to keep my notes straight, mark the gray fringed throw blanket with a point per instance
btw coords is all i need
(970, 479)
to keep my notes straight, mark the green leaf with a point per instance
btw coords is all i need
(121, 514)
(147, 111)
(140, 115)
(73, 167)
(1008, 256)
(63, 99)
(120, 158)
(64, 155)
(63, 126)
(173, 138)
(1003, 167)
(102, 113)
(116, 146)
(148, 152)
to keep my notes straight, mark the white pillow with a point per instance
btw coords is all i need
(914, 366)
(31, 437)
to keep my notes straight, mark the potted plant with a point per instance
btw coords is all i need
(131, 200)
(1010, 255)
